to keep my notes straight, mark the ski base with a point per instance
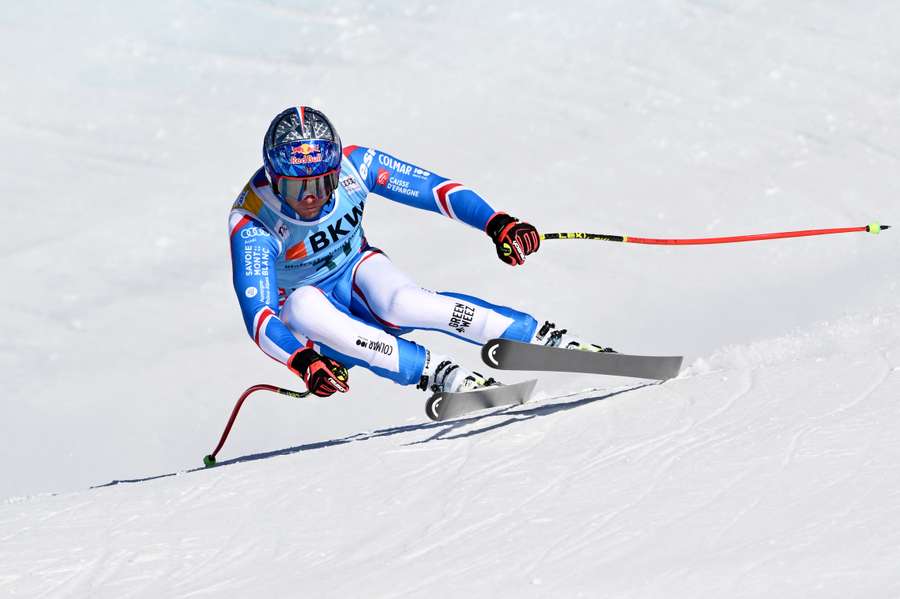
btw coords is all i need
(514, 355)
(443, 406)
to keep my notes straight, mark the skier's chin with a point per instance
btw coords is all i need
(308, 209)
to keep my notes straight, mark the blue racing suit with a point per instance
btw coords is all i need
(275, 252)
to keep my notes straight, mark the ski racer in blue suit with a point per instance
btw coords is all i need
(317, 297)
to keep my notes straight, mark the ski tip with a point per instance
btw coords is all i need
(209, 461)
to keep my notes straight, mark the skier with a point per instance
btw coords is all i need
(317, 297)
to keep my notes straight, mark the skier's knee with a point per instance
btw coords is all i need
(402, 304)
(305, 310)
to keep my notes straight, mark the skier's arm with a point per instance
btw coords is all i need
(253, 253)
(408, 184)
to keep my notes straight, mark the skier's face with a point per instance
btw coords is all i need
(308, 207)
(307, 195)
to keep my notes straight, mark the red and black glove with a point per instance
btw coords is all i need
(514, 239)
(322, 375)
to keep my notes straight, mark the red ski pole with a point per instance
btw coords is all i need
(210, 459)
(874, 228)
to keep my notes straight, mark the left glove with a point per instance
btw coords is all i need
(514, 239)
(322, 375)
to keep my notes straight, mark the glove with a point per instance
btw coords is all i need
(514, 239)
(322, 375)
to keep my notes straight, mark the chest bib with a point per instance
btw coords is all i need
(309, 250)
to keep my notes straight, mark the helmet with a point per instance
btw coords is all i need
(302, 153)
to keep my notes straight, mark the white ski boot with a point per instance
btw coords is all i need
(552, 336)
(443, 375)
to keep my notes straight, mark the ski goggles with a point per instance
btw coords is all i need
(297, 188)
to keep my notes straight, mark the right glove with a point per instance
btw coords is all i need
(513, 239)
(322, 375)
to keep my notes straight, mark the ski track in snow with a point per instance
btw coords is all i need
(456, 460)
(487, 455)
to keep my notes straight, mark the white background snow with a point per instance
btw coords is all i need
(769, 469)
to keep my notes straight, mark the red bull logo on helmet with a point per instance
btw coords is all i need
(305, 149)
(306, 154)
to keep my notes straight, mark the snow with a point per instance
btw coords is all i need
(767, 469)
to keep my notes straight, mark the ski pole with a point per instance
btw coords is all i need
(873, 228)
(210, 459)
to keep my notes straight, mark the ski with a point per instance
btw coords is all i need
(514, 355)
(443, 406)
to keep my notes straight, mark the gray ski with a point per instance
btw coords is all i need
(443, 406)
(513, 355)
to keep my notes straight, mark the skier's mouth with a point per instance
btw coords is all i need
(310, 206)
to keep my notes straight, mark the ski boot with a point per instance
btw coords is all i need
(552, 336)
(442, 375)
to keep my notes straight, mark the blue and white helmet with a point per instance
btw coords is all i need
(301, 142)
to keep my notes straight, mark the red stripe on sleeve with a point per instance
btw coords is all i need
(442, 192)
(262, 318)
(240, 224)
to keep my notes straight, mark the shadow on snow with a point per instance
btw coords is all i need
(443, 431)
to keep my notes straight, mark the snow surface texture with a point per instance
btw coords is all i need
(767, 470)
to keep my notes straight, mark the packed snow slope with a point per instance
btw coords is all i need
(766, 470)
(126, 132)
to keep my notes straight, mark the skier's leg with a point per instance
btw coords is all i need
(309, 313)
(396, 302)
(547, 334)
(392, 299)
